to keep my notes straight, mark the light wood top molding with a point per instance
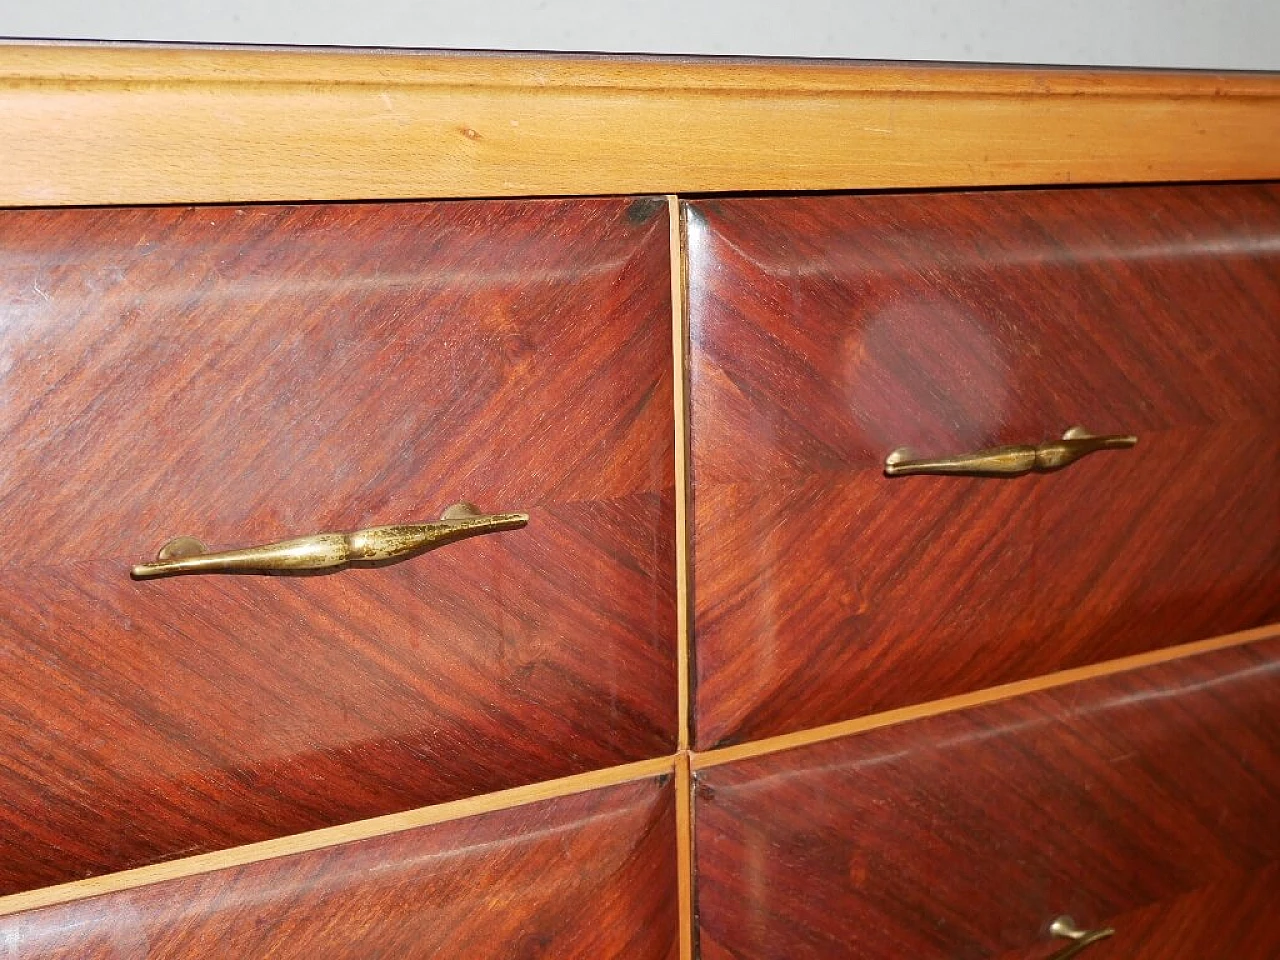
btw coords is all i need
(106, 124)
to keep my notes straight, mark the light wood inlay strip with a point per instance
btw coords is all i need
(683, 778)
(684, 853)
(125, 124)
(789, 741)
(331, 836)
(680, 378)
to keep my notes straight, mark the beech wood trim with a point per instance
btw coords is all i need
(108, 124)
(832, 731)
(331, 836)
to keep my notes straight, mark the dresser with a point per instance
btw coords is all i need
(509, 507)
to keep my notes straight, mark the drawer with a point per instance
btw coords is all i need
(579, 876)
(248, 375)
(1146, 801)
(827, 332)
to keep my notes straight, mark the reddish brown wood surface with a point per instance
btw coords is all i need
(247, 375)
(828, 331)
(585, 876)
(1146, 800)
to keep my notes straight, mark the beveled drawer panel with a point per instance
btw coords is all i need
(1147, 801)
(246, 375)
(585, 876)
(830, 331)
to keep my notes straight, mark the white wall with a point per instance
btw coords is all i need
(1227, 34)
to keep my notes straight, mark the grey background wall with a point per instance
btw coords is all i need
(1216, 34)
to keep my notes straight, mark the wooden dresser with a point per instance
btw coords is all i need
(484, 506)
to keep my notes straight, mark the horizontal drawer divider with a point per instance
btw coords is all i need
(831, 731)
(592, 780)
(333, 836)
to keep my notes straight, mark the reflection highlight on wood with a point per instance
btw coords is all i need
(828, 331)
(162, 873)
(585, 876)
(833, 731)
(249, 373)
(1121, 801)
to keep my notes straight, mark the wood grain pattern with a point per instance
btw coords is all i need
(251, 374)
(120, 124)
(965, 701)
(1148, 800)
(829, 331)
(357, 830)
(577, 877)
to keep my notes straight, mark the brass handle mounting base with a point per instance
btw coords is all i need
(1066, 928)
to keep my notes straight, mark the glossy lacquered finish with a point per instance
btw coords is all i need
(247, 375)
(828, 332)
(1148, 801)
(585, 876)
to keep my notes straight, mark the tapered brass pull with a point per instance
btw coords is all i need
(1066, 928)
(327, 550)
(1010, 461)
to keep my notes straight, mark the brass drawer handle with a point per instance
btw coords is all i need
(1012, 461)
(327, 550)
(1066, 927)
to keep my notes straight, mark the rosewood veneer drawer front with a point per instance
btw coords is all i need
(250, 375)
(828, 332)
(583, 876)
(1146, 801)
